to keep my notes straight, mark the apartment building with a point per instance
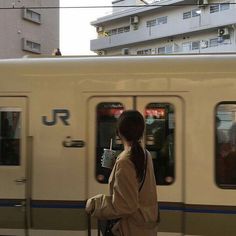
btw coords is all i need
(28, 29)
(166, 27)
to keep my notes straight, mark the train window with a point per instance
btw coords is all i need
(159, 139)
(9, 137)
(107, 115)
(225, 145)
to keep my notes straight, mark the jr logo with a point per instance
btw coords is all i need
(57, 114)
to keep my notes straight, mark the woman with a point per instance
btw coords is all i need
(132, 186)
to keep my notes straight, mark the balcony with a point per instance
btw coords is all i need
(173, 27)
(221, 48)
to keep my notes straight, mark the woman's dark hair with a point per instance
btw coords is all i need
(131, 127)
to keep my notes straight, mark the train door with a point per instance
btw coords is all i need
(163, 138)
(12, 165)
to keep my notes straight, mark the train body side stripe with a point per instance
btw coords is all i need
(70, 215)
(58, 204)
(210, 209)
(191, 210)
(10, 202)
(164, 206)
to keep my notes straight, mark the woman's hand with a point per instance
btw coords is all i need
(90, 206)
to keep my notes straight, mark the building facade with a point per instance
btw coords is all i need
(28, 29)
(166, 27)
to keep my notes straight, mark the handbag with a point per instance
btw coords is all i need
(107, 225)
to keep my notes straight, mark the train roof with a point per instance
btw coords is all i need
(178, 64)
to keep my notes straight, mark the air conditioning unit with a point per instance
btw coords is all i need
(223, 32)
(125, 51)
(204, 44)
(101, 53)
(100, 29)
(134, 20)
(202, 3)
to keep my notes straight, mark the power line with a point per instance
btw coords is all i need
(106, 6)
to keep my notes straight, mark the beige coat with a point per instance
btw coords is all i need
(137, 210)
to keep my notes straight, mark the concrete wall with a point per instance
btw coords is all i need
(13, 28)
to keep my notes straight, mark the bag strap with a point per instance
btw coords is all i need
(145, 171)
(89, 224)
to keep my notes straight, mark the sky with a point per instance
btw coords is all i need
(75, 29)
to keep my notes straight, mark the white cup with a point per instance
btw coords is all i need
(108, 158)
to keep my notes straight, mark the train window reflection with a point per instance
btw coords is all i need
(9, 137)
(160, 127)
(107, 115)
(225, 145)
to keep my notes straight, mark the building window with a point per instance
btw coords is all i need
(31, 46)
(224, 6)
(31, 16)
(214, 8)
(10, 134)
(125, 51)
(113, 31)
(186, 47)
(161, 50)
(144, 52)
(187, 15)
(121, 30)
(214, 42)
(107, 116)
(151, 23)
(160, 141)
(225, 145)
(195, 45)
(162, 20)
(169, 49)
(219, 7)
(127, 29)
(195, 13)
(158, 21)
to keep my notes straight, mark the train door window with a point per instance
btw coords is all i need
(9, 137)
(159, 139)
(107, 115)
(225, 145)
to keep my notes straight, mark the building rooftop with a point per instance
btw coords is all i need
(140, 10)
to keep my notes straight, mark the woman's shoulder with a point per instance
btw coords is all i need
(125, 165)
(124, 158)
(149, 155)
(123, 155)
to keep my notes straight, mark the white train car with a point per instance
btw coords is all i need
(57, 115)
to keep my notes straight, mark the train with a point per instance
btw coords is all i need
(58, 114)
